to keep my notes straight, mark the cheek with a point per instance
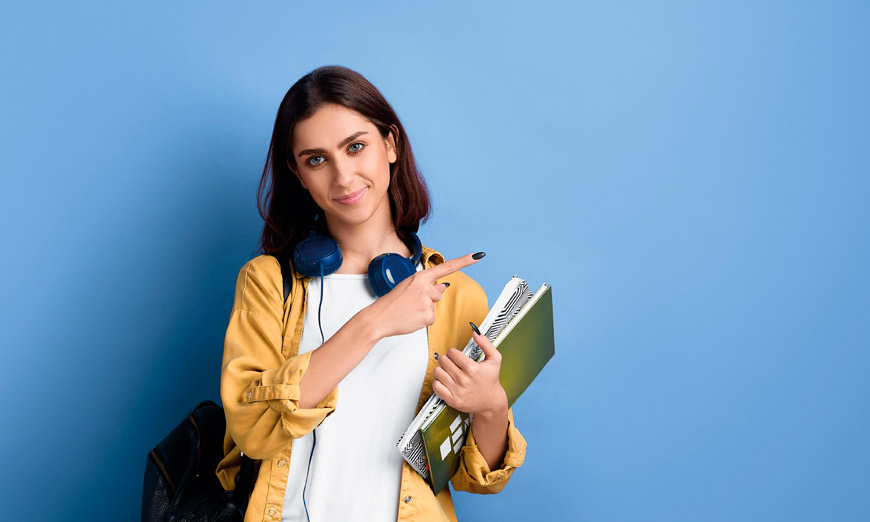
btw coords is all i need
(380, 164)
(315, 187)
(372, 166)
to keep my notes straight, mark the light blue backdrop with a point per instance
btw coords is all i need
(691, 177)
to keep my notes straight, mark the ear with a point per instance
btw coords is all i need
(390, 141)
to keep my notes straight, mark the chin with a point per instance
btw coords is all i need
(351, 217)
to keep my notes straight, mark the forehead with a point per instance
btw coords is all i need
(328, 126)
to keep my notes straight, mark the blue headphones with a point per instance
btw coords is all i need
(317, 256)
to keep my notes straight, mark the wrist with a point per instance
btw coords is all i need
(367, 327)
(496, 410)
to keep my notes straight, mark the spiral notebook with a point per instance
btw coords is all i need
(520, 326)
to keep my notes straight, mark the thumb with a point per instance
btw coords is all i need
(489, 351)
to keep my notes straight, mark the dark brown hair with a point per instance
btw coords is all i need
(286, 207)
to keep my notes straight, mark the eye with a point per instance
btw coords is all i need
(314, 161)
(355, 147)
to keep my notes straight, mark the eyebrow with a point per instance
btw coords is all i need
(340, 145)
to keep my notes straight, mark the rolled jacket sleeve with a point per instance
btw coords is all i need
(474, 475)
(260, 386)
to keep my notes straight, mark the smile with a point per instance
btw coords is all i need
(352, 198)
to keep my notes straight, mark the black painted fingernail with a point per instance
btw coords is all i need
(474, 327)
(446, 285)
(436, 356)
(478, 255)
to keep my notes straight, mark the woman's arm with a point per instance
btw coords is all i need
(404, 309)
(269, 399)
(490, 430)
(259, 384)
(494, 447)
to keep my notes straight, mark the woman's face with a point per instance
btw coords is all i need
(344, 162)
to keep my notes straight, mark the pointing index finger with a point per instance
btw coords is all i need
(448, 267)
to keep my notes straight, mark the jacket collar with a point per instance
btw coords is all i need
(431, 257)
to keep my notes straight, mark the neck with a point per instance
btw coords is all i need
(362, 243)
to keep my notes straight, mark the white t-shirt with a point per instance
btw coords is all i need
(356, 470)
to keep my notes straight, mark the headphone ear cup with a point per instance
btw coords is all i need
(388, 270)
(315, 252)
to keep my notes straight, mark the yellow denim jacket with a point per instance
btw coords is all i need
(260, 378)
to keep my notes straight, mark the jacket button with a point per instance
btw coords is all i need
(281, 463)
(407, 499)
(272, 512)
(248, 394)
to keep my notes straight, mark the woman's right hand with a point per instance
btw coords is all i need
(411, 304)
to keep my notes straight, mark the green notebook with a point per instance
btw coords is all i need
(520, 325)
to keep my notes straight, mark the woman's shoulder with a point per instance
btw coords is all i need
(261, 267)
(259, 283)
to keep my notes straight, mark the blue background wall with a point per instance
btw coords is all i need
(691, 177)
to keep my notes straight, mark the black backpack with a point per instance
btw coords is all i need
(180, 481)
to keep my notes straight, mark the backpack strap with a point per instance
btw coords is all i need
(244, 484)
(287, 276)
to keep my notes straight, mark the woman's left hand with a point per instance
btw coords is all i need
(471, 386)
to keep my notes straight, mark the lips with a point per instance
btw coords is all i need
(351, 198)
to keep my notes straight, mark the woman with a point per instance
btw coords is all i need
(334, 374)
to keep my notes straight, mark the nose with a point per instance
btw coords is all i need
(343, 172)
